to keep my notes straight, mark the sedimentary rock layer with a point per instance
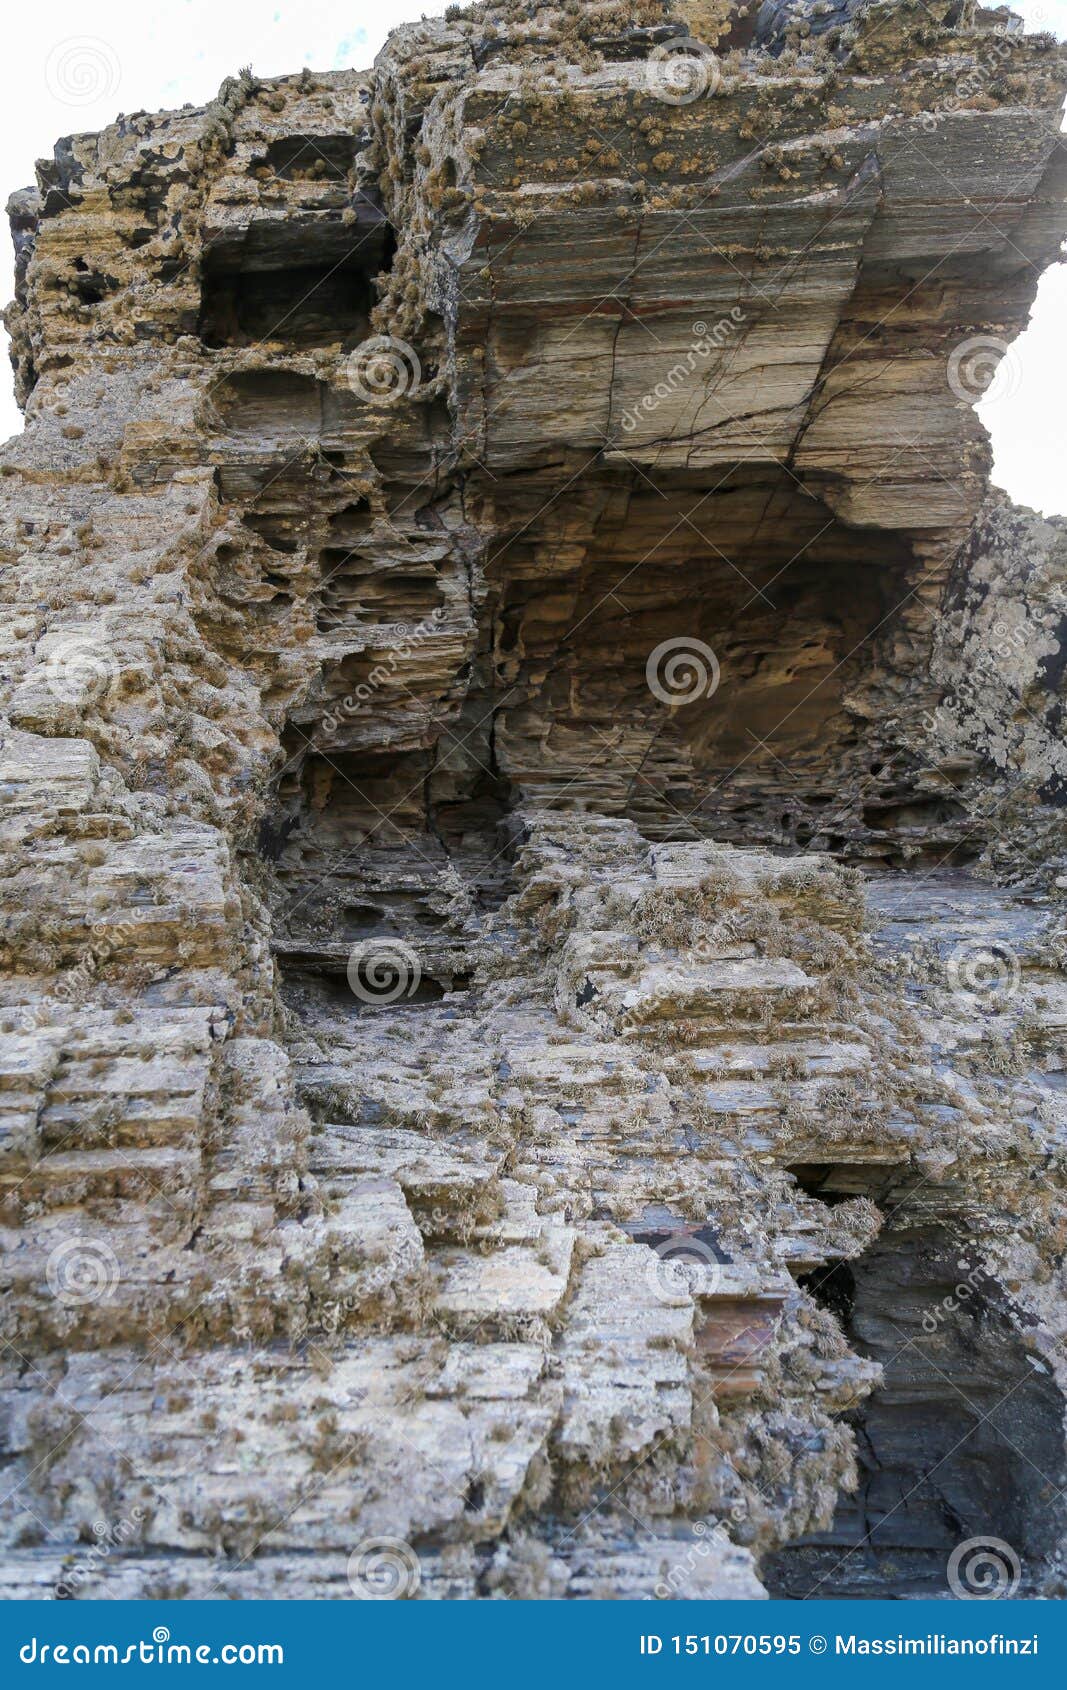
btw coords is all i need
(533, 777)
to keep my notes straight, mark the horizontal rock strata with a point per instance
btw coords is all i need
(533, 941)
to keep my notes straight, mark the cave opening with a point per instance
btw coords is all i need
(442, 708)
(302, 282)
(304, 305)
(698, 662)
(961, 1441)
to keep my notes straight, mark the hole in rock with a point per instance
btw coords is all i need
(279, 532)
(834, 1286)
(963, 1439)
(310, 158)
(373, 920)
(91, 286)
(367, 846)
(893, 816)
(694, 665)
(306, 279)
(358, 592)
(835, 1182)
(658, 1227)
(302, 305)
(378, 987)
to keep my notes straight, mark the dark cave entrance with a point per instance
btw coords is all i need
(963, 1439)
(306, 280)
(779, 615)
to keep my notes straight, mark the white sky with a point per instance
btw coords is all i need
(147, 57)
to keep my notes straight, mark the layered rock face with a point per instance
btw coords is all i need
(533, 939)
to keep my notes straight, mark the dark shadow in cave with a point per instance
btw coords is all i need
(963, 1439)
(779, 614)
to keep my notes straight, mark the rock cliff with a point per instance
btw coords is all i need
(533, 943)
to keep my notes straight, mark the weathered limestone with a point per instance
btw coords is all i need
(467, 1082)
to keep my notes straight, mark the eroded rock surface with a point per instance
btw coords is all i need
(532, 768)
